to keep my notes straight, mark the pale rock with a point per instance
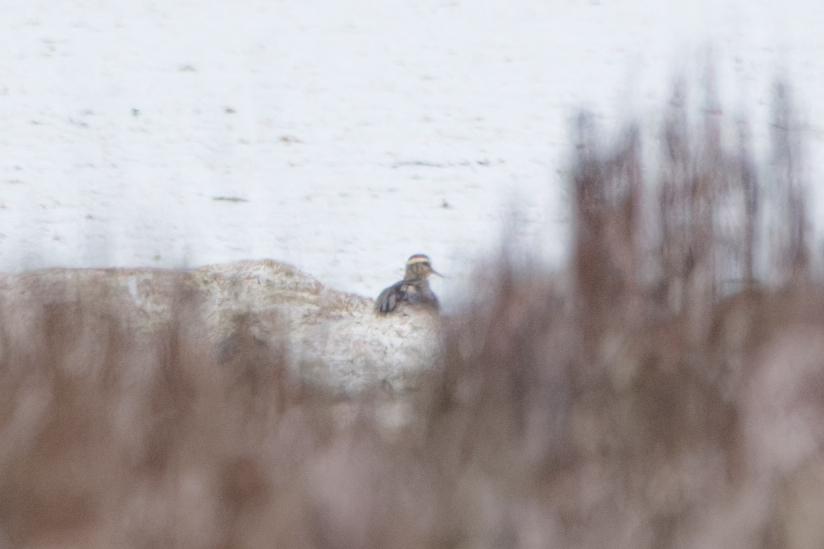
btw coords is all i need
(329, 338)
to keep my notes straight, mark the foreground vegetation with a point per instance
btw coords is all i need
(666, 390)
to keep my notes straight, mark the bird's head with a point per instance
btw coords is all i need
(419, 267)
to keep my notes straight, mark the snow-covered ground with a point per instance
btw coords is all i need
(343, 136)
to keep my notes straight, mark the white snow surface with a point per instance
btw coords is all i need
(342, 136)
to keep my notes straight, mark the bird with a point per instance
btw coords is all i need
(413, 289)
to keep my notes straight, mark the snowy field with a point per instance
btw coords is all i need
(343, 137)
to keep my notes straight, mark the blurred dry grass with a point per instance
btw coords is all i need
(668, 391)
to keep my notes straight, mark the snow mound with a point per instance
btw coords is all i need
(329, 338)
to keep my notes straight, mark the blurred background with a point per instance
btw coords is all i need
(343, 137)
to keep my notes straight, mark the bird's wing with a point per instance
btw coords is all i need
(390, 298)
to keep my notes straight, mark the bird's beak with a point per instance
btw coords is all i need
(434, 272)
